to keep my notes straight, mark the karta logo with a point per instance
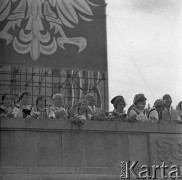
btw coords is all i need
(128, 170)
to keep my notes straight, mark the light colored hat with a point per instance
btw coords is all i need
(139, 98)
(159, 102)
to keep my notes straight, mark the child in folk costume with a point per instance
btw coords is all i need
(40, 108)
(119, 105)
(82, 111)
(137, 111)
(155, 114)
(6, 107)
(22, 109)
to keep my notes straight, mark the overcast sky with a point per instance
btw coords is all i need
(144, 49)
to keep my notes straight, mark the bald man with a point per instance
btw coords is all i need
(57, 110)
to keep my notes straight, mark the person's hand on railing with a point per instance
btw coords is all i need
(153, 119)
(60, 113)
(35, 115)
(131, 118)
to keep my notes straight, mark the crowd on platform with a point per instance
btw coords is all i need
(86, 109)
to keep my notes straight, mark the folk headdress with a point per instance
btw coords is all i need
(139, 98)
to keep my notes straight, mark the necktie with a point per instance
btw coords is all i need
(160, 115)
(169, 114)
(93, 110)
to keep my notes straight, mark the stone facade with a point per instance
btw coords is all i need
(54, 149)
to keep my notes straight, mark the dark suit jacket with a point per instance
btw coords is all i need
(173, 115)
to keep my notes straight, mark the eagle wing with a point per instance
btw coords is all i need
(5, 8)
(69, 11)
(14, 15)
(169, 153)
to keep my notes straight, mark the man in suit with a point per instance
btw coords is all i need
(169, 114)
(92, 109)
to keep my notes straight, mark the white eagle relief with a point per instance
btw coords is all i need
(34, 37)
(170, 153)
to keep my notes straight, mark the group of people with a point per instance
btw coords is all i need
(54, 108)
(161, 111)
(87, 110)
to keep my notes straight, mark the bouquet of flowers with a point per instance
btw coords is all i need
(131, 119)
(35, 115)
(76, 120)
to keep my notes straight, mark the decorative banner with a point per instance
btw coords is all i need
(53, 33)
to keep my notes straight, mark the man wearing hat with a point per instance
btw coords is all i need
(169, 114)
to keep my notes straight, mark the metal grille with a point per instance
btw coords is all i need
(73, 84)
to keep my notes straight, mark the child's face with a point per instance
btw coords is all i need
(49, 103)
(161, 108)
(141, 105)
(7, 101)
(41, 103)
(91, 100)
(83, 106)
(25, 99)
(120, 106)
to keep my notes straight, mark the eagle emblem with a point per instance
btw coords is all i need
(169, 153)
(39, 24)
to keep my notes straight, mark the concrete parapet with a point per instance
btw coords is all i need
(51, 149)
